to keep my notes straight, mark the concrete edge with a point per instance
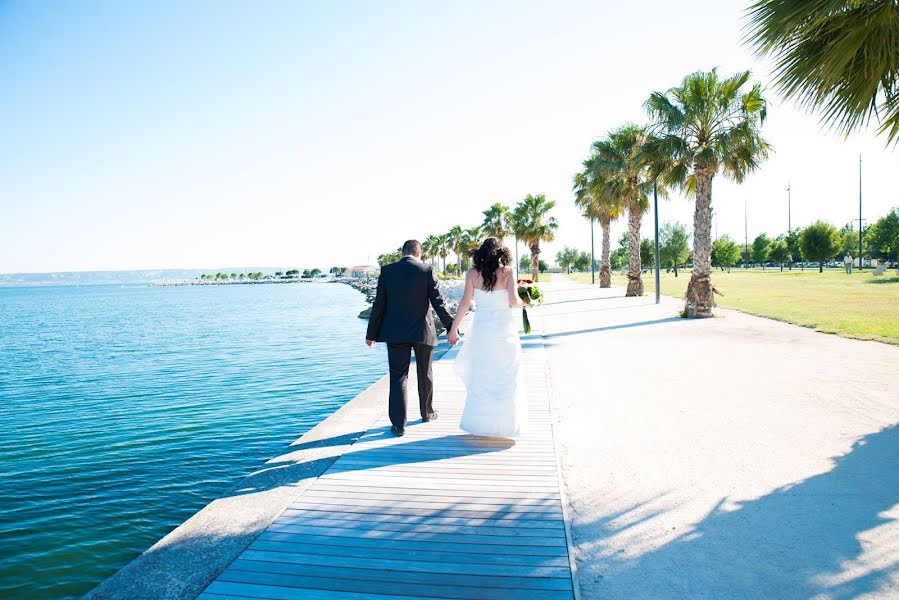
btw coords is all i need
(184, 562)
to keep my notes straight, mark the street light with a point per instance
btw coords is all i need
(592, 256)
(655, 200)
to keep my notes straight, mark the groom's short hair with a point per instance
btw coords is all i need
(411, 247)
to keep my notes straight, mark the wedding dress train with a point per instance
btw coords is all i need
(489, 364)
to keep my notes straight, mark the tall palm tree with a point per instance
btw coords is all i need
(706, 125)
(443, 248)
(471, 239)
(534, 225)
(456, 243)
(430, 248)
(598, 202)
(839, 55)
(496, 221)
(618, 161)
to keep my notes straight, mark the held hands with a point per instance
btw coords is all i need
(452, 337)
(369, 343)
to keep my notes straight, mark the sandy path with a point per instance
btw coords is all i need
(737, 457)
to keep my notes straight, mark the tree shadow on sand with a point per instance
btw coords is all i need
(798, 541)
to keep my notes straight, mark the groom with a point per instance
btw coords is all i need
(400, 317)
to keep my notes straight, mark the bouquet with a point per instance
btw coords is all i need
(530, 295)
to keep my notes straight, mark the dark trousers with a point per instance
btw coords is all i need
(399, 355)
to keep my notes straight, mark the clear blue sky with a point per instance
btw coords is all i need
(204, 134)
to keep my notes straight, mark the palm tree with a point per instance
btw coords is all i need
(430, 247)
(706, 125)
(598, 202)
(841, 56)
(472, 238)
(443, 248)
(456, 243)
(533, 225)
(619, 163)
(496, 221)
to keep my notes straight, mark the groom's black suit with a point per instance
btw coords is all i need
(400, 316)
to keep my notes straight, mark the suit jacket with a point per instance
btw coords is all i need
(400, 312)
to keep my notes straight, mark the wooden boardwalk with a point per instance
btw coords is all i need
(433, 514)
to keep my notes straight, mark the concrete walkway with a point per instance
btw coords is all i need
(434, 514)
(735, 457)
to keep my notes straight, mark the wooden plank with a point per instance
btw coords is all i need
(429, 508)
(378, 545)
(355, 585)
(271, 592)
(405, 566)
(322, 486)
(556, 578)
(446, 553)
(367, 532)
(426, 527)
(322, 516)
(435, 514)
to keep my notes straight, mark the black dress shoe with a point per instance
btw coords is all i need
(431, 417)
(397, 431)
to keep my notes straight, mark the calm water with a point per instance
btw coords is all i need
(124, 410)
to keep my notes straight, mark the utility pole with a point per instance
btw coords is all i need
(789, 220)
(859, 212)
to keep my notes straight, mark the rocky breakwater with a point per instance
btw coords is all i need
(451, 290)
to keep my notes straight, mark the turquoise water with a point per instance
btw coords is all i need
(124, 410)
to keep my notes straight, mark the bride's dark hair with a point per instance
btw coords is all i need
(489, 258)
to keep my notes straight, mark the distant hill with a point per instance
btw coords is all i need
(120, 277)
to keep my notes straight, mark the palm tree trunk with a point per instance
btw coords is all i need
(634, 268)
(605, 270)
(700, 297)
(535, 261)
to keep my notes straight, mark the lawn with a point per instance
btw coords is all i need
(859, 305)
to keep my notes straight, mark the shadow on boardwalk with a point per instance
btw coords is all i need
(179, 568)
(799, 541)
(287, 472)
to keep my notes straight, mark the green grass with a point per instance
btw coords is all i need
(858, 306)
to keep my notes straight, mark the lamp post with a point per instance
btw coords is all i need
(592, 256)
(746, 236)
(789, 220)
(655, 201)
(859, 212)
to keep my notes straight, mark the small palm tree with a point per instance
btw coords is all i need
(534, 225)
(496, 221)
(839, 55)
(619, 163)
(456, 243)
(706, 125)
(598, 202)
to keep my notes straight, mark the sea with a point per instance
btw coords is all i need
(124, 409)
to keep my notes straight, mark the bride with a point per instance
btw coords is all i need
(489, 362)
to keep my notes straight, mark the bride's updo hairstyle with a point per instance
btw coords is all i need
(489, 258)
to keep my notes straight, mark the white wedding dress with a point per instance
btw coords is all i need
(489, 363)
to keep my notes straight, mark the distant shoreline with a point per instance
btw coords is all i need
(246, 282)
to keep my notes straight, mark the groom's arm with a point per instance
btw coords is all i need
(438, 303)
(377, 311)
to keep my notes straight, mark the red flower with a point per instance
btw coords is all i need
(526, 281)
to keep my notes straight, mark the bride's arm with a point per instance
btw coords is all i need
(512, 288)
(464, 304)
